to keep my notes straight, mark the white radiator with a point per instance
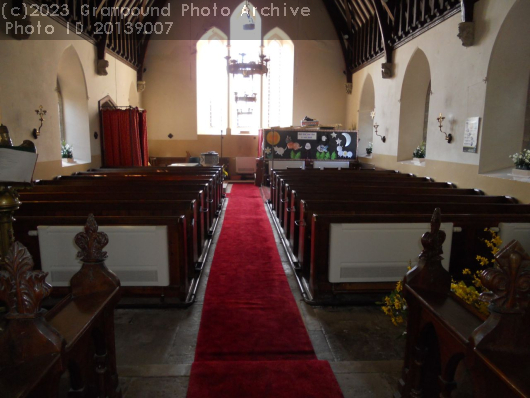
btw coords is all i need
(138, 255)
(378, 252)
(245, 165)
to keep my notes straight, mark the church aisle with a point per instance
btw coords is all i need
(156, 347)
(252, 340)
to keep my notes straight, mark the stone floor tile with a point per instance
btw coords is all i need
(157, 387)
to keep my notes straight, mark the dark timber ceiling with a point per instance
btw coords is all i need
(366, 29)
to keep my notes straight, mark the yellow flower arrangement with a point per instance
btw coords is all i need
(470, 294)
(395, 306)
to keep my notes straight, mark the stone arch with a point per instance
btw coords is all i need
(366, 106)
(412, 111)
(506, 91)
(74, 94)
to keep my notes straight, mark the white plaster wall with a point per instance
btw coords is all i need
(507, 91)
(170, 94)
(28, 79)
(458, 83)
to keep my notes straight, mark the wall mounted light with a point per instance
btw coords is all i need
(376, 126)
(40, 113)
(448, 137)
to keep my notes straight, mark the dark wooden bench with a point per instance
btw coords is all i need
(76, 335)
(291, 217)
(451, 350)
(140, 196)
(215, 192)
(165, 188)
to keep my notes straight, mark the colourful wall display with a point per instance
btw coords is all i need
(309, 143)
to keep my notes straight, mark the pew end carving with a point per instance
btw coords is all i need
(442, 334)
(429, 275)
(76, 335)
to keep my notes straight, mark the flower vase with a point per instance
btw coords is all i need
(521, 172)
(70, 160)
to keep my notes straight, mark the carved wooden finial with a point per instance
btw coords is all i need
(20, 287)
(91, 242)
(429, 274)
(509, 282)
(432, 241)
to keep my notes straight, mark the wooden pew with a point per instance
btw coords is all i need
(183, 277)
(165, 188)
(216, 188)
(292, 208)
(76, 335)
(322, 290)
(187, 208)
(334, 181)
(383, 185)
(445, 335)
(284, 177)
(216, 171)
(140, 196)
(310, 207)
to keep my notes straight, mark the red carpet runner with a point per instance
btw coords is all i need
(252, 340)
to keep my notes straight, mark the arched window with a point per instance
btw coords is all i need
(366, 124)
(506, 128)
(278, 84)
(212, 82)
(245, 92)
(426, 114)
(73, 96)
(244, 103)
(526, 136)
(414, 112)
(60, 110)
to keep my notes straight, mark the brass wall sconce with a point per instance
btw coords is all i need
(376, 126)
(40, 113)
(448, 137)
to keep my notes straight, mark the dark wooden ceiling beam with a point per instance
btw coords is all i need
(386, 32)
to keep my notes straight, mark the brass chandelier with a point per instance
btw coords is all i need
(248, 69)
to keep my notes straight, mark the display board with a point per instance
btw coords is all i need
(309, 143)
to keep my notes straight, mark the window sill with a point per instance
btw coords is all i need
(414, 162)
(365, 156)
(506, 174)
(76, 163)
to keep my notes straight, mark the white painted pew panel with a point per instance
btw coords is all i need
(518, 231)
(330, 164)
(378, 252)
(137, 254)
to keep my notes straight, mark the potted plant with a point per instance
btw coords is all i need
(521, 162)
(370, 148)
(67, 152)
(418, 156)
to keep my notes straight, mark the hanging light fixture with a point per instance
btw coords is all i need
(248, 69)
(250, 25)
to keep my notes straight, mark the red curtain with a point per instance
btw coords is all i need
(124, 137)
(143, 138)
